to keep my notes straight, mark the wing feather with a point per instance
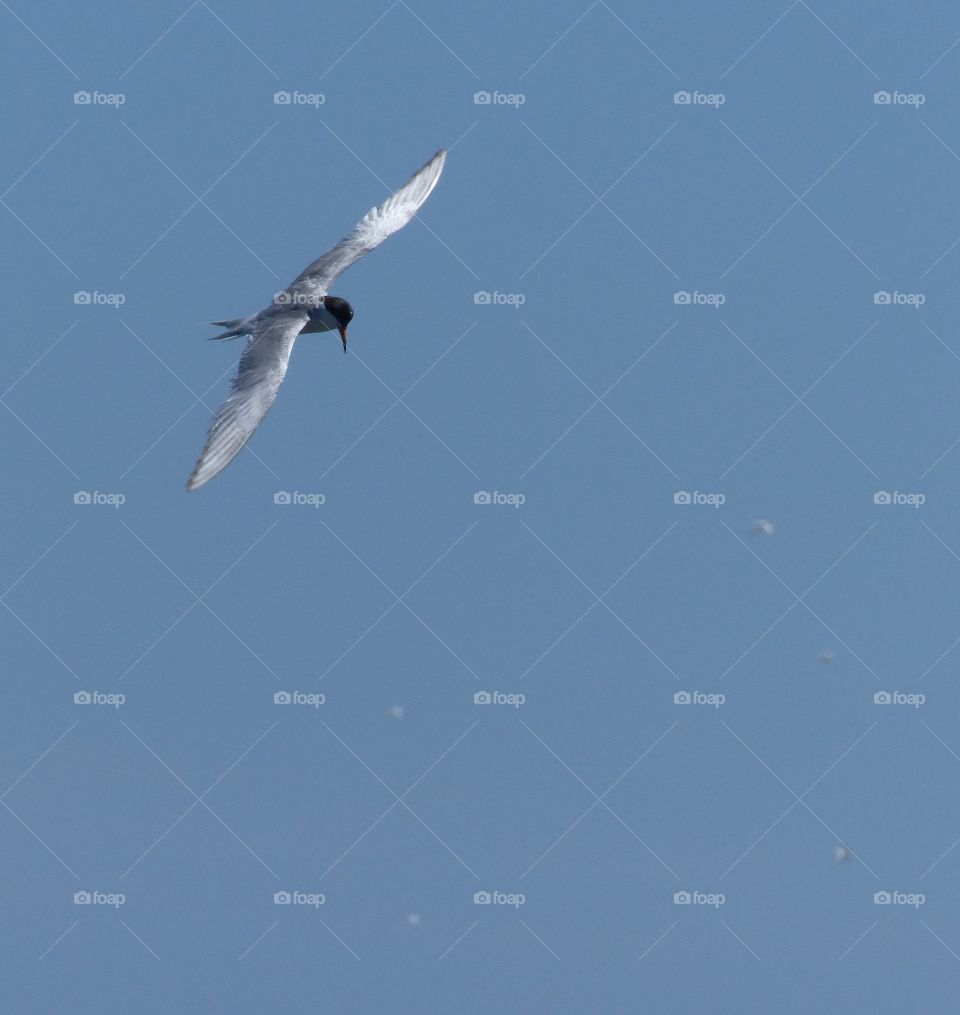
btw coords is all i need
(379, 223)
(263, 366)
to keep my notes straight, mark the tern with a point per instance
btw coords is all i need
(305, 306)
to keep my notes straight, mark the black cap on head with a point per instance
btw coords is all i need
(340, 309)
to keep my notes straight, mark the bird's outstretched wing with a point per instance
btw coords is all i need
(379, 223)
(261, 371)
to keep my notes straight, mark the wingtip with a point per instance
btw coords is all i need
(195, 480)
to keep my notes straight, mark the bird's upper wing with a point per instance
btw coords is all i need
(379, 223)
(261, 371)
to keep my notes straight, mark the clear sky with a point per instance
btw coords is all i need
(586, 639)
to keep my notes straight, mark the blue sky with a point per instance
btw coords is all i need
(586, 638)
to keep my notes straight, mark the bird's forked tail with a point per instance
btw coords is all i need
(235, 328)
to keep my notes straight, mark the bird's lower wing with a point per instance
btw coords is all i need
(379, 223)
(259, 376)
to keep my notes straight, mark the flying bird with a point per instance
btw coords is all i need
(305, 306)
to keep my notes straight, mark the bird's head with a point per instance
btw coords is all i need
(342, 312)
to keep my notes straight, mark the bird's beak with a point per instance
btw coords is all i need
(343, 336)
